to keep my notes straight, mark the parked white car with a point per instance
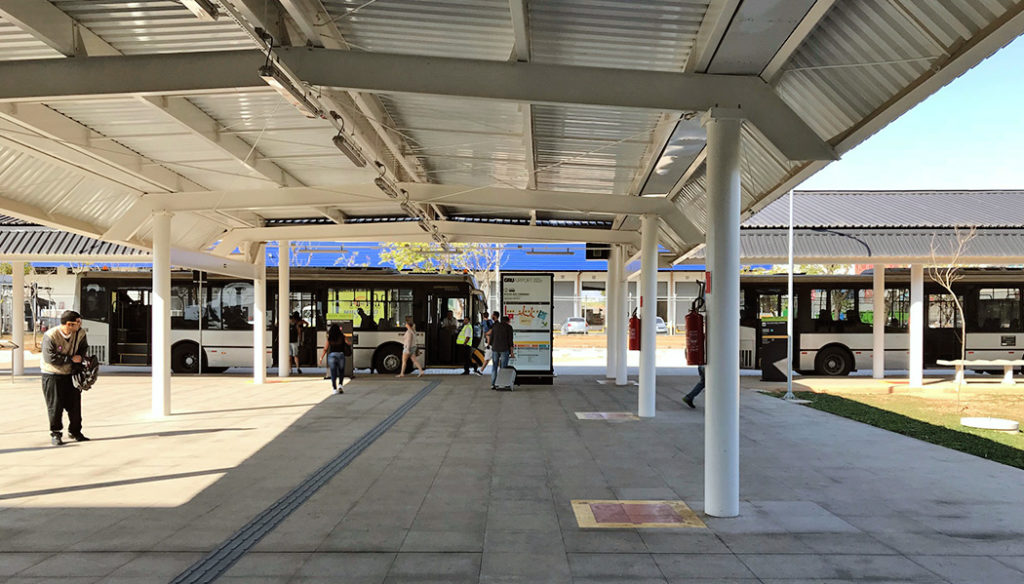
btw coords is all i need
(659, 325)
(574, 324)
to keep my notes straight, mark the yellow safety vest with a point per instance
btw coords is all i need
(465, 335)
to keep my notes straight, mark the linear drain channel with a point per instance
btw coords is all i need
(217, 562)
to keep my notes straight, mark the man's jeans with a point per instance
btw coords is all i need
(700, 384)
(500, 362)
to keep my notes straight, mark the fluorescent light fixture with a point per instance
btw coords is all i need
(350, 150)
(388, 188)
(438, 251)
(548, 252)
(274, 78)
(202, 9)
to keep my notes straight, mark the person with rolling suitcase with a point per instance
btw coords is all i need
(502, 376)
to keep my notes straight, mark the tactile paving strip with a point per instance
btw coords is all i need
(611, 514)
(220, 560)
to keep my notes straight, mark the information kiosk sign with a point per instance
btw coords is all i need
(527, 299)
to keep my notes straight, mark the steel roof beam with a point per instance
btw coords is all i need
(411, 231)
(347, 198)
(710, 34)
(52, 26)
(42, 129)
(200, 124)
(377, 72)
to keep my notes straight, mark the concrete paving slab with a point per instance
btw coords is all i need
(475, 486)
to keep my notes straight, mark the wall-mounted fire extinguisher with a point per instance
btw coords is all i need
(695, 338)
(634, 332)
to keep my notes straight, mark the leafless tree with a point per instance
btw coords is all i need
(948, 273)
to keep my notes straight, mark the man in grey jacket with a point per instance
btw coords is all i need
(63, 346)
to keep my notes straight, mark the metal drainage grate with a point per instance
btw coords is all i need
(217, 562)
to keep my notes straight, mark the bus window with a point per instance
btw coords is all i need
(392, 308)
(236, 306)
(94, 302)
(345, 304)
(897, 309)
(998, 309)
(211, 308)
(942, 312)
(184, 308)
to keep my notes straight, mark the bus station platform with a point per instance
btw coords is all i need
(439, 479)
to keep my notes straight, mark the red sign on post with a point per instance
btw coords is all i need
(707, 282)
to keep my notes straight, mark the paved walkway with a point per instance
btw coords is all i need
(475, 486)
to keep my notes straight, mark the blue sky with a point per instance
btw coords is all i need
(968, 135)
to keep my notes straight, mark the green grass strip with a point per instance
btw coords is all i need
(900, 424)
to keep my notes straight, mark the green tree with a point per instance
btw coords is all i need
(5, 268)
(479, 259)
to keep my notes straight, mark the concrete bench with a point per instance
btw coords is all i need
(1007, 364)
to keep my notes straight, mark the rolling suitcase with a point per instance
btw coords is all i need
(506, 379)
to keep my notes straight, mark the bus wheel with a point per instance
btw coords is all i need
(185, 358)
(388, 359)
(832, 361)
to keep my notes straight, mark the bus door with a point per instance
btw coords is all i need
(131, 326)
(306, 302)
(942, 330)
(447, 312)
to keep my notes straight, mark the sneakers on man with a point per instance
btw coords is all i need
(299, 371)
(78, 437)
(688, 401)
(56, 441)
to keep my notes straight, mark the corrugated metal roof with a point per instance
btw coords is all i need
(154, 26)
(453, 28)
(910, 209)
(16, 44)
(625, 34)
(35, 240)
(986, 246)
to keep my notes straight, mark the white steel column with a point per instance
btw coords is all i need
(672, 301)
(161, 315)
(577, 298)
(284, 259)
(878, 323)
(916, 325)
(611, 317)
(18, 316)
(622, 297)
(722, 405)
(259, 318)
(648, 311)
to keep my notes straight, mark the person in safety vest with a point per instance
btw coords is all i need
(464, 344)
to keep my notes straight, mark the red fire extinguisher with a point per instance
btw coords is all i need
(695, 339)
(634, 332)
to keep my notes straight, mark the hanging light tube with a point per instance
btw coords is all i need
(274, 78)
(350, 150)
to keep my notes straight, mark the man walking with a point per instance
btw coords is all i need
(485, 339)
(63, 346)
(699, 387)
(464, 343)
(295, 326)
(501, 347)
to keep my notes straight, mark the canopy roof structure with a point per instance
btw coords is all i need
(413, 120)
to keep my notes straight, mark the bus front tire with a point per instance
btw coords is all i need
(185, 358)
(388, 360)
(833, 361)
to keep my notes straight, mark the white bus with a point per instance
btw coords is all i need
(211, 323)
(834, 315)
